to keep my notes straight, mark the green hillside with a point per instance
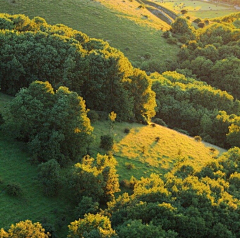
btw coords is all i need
(130, 32)
(87, 151)
(140, 148)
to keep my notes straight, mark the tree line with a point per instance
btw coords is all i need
(33, 50)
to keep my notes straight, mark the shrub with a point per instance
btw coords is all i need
(206, 21)
(201, 24)
(129, 166)
(124, 183)
(141, 6)
(197, 20)
(14, 189)
(160, 121)
(106, 142)
(147, 55)
(166, 34)
(172, 40)
(49, 176)
(103, 116)
(93, 115)
(198, 138)
(126, 130)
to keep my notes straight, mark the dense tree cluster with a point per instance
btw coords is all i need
(33, 50)
(185, 203)
(197, 108)
(214, 55)
(39, 115)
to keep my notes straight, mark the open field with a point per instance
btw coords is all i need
(198, 8)
(140, 148)
(129, 30)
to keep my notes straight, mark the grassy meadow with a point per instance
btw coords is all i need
(122, 24)
(199, 8)
(140, 148)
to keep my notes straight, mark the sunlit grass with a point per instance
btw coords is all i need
(153, 149)
(131, 10)
(201, 9)
(126, 30)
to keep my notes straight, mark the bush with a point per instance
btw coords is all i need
(197, 20)
(14, 189)
(198, 138)
(103, 116)
(129, 166)
(106, 142)
(93, 115)
(126, 130)
(172, 40)
(147, 55)
(166, 34)
(159, 121)
(49, 176)
(201, 24)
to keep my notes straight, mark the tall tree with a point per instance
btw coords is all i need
(55, 125)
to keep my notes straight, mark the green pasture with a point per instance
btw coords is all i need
(140, 148)
(98, 21)
(15, 167)
(199, 8)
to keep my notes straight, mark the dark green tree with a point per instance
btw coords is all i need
(55, 125)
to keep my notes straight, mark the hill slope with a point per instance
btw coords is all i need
(130, 31)
(141, 148)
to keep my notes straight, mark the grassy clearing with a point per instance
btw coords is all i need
(199, 8)
(122, 24)
(141, 148)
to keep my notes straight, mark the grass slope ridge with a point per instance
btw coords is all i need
(128, 31)
(153, 148)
